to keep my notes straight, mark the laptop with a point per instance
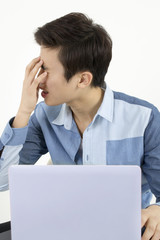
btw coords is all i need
(75, 202)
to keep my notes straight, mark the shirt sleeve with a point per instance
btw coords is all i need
(35, 145)
(20, 146)
(151, 163)
(11, 143)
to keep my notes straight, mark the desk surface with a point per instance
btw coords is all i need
(5, 235)
(5, 232)
(6, 226)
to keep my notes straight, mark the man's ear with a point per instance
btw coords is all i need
(85, 79)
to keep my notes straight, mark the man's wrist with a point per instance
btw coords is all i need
(21, 119)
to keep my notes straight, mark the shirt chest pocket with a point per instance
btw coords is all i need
(127, 151)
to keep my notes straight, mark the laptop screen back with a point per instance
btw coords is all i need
(75, 202)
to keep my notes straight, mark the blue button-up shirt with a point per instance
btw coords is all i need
(124, 131)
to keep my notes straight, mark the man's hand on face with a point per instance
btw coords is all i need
(30, 91)
(31, 85)
(151, 220)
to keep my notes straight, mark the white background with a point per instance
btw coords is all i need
(134, 26)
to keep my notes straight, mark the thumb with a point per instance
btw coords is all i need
(144, 217)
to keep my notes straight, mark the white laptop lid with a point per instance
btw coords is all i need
(75, 202)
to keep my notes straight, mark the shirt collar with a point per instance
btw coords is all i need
(105, 111)
(106, 108)
(64, 117)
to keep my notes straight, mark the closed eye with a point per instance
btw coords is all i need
(43, 67)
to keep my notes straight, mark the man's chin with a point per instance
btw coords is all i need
(51, 103)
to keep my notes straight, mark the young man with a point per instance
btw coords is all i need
(81, 121)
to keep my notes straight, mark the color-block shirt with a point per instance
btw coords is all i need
(124, 131)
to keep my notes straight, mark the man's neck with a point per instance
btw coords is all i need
(86, 107)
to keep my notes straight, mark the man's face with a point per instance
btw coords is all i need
(56, 89)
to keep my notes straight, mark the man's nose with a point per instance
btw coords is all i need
(41, 85)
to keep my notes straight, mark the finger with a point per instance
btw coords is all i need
(31, 65)
(156, 235)
(150, 230)
(39, 80)
(40, 72)
(34, 71)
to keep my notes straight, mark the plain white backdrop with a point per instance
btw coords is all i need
(134, 26)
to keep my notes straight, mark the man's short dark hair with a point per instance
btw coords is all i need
(84, 45)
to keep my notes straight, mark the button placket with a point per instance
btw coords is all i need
(86, 146)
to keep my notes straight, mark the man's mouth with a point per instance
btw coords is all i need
(44, 94)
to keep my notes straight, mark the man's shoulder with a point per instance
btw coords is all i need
(132, 100)
(44, 111)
